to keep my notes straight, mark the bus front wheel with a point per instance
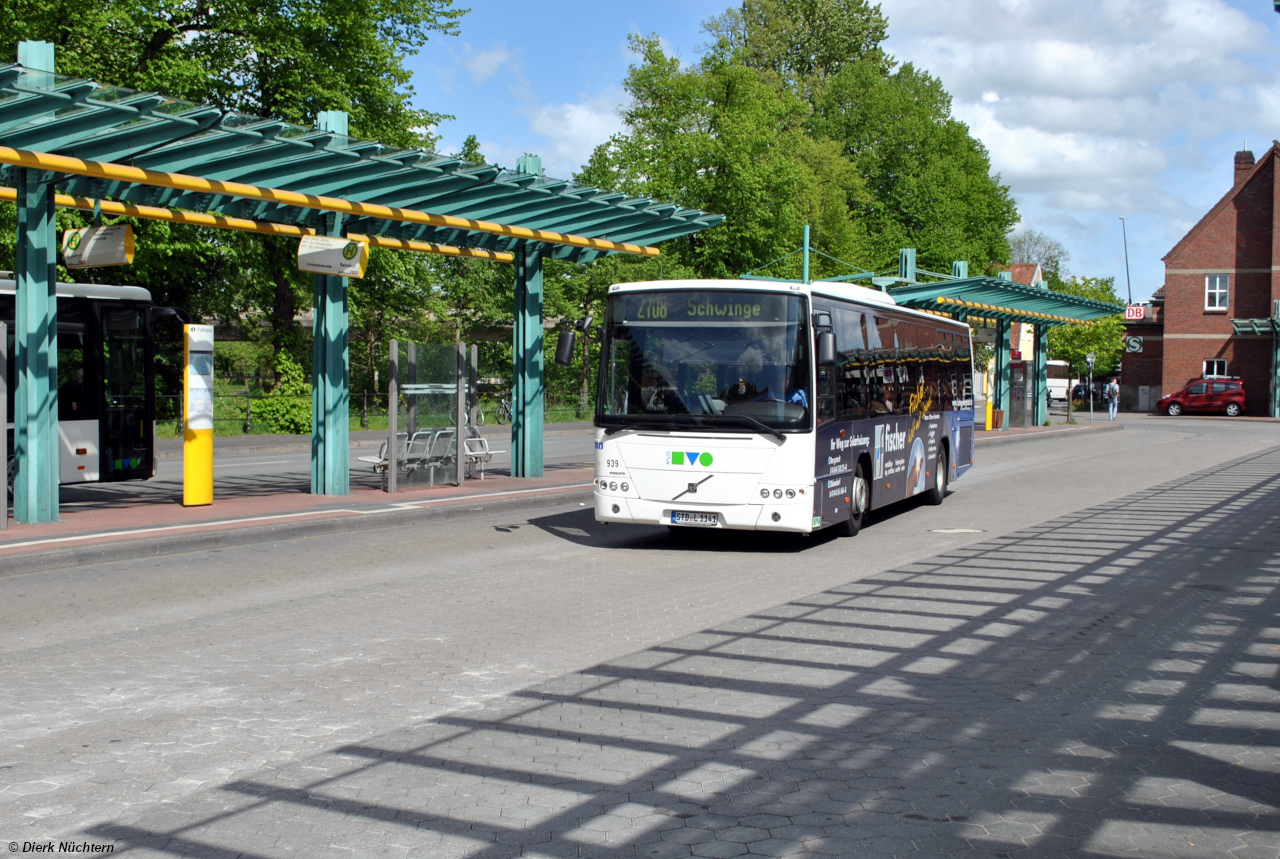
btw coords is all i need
(860, 503)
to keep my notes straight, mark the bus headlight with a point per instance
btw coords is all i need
(624, 487)
(791, 493)
(764, 493)
(777, 493)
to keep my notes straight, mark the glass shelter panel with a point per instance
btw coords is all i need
(427, 417)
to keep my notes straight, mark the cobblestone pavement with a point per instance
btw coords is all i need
(1101, 684)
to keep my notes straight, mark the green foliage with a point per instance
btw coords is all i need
(1105, 337)
(287, 409)
(258, 57)
(793, 116)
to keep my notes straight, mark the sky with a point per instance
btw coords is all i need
(1092, 110)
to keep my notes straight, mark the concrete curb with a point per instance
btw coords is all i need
(148, 547)
(995, 440)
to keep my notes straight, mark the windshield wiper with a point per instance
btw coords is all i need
(758, 424)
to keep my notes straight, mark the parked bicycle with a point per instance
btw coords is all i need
(504, 410)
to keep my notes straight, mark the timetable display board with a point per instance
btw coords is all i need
(197, 415)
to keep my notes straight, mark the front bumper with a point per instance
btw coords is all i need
(795, 517)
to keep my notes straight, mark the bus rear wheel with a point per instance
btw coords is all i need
(860, 503)
(938, 491)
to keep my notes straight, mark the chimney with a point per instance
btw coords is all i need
(1244, 163)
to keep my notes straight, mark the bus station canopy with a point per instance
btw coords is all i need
(65, 141)
(41, 112)
(1001, 300)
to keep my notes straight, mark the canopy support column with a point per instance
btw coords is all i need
(1275, 359)
(35, 407)
(1042, 375)
(1000, 375)
(527, 399)
(330, 401)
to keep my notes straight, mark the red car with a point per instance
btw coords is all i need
(1206, 395)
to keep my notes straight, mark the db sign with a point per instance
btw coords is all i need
(1135, 313)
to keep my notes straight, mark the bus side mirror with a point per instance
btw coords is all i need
(564, 348)
(826, 347)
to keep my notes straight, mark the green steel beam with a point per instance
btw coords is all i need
(528, 395)
(1041, 367)
(1000, 375)
(330, 421)
(35, 418)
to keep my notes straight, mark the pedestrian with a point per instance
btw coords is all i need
(1112, 394)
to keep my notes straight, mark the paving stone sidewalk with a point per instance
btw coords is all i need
(1104, 684)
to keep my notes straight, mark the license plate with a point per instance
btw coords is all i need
(704, 519)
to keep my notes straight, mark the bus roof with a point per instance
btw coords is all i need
(87, 290)
(833, 289)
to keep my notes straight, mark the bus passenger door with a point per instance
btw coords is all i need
(128, 391)
(78, 414)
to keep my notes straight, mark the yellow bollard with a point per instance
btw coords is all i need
(197, 415)
(989, 415)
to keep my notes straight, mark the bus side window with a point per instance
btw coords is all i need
(850, 328)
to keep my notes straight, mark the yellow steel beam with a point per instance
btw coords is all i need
(225, 222)
(200, 185)
(1034, 314)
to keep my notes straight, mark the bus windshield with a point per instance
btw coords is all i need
(717, 359)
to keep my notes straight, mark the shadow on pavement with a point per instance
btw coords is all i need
(1101, 684)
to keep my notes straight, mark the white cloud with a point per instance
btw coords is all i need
(1097, 108)
(575, 129)
(483, 65)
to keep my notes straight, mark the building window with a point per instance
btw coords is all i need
(1215, 367)
(1215, 291)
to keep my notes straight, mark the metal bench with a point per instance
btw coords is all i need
(478, 454)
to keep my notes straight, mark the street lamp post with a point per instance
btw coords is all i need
(1129, 286)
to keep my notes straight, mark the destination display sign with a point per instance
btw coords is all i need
(706, 306)
(92, 247)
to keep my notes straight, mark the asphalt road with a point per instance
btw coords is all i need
(1076, 654)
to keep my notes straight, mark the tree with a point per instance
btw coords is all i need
(722, 138)
(800, 39)
(257, 57)
(1032, 247)
(1104, 337)
(795, 115)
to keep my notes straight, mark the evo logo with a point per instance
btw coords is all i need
(685, 457)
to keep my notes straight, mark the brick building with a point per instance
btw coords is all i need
(1213, 317)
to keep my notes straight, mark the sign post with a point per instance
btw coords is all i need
(1091, 359)
(4, 424)
(197, 415)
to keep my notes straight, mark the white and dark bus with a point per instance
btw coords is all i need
(106, 381)
(771, 406)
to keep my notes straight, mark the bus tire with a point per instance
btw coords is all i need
(938, 491)
(861, 499)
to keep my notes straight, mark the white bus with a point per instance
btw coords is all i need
(1058, 381)
(773, 406)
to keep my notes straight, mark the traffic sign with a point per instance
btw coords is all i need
(1091, 359)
